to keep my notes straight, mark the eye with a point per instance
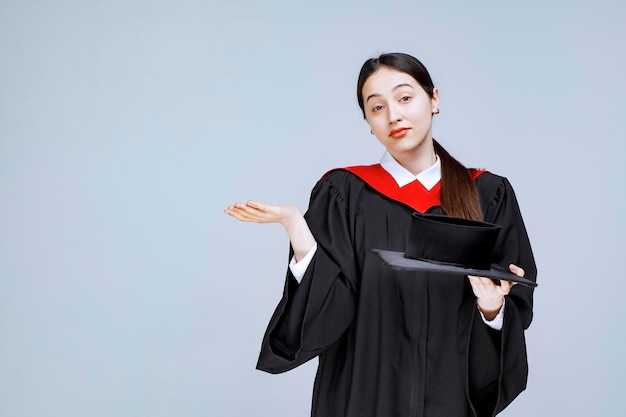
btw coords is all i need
(405, 99)
(377, 108)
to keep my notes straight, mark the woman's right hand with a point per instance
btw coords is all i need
(253, 211)
(302, 240)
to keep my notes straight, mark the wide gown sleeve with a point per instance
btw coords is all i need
(314, 314)
(498, 367)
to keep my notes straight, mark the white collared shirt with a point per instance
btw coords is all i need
(429, 177)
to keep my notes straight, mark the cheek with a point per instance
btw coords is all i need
(378, 129)
(377, 122)
(422, 114)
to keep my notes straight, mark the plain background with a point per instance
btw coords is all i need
(126, 127)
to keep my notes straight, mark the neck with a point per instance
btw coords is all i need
(419, 159)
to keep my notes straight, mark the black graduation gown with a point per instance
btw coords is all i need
(397, 343)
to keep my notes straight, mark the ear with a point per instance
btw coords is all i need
(435, 101)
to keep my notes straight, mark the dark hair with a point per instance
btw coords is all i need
(458, 194)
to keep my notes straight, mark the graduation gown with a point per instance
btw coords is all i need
(398, 343)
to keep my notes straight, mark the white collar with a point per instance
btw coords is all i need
(428, 178)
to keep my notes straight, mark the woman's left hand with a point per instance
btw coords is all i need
(489, 294)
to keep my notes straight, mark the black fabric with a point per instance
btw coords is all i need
(451, 240)
(398, 261)
(398, 343)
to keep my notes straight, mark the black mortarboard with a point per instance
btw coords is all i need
(441, 243)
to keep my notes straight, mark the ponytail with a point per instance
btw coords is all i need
(458, 196)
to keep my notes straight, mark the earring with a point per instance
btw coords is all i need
(372, 132)
(436, 111)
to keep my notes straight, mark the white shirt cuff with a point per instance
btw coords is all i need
(299, 268)
(498, 320)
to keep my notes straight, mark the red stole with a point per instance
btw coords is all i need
(414, 194)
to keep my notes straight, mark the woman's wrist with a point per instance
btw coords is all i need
(299, 233)
(489, 307)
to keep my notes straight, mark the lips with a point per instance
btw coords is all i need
(399, 133)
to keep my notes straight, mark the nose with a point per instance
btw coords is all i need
(394, 115)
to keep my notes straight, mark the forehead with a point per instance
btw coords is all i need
(385, 80)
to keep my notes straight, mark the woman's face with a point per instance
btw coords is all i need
(399, 112)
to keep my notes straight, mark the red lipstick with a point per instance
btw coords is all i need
(399, 133)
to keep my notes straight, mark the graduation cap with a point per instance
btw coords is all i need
(441, 243)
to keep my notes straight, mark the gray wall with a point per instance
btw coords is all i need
(126, 127)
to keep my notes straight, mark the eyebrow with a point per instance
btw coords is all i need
(393, 89)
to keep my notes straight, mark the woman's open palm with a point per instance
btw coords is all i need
(253, 211)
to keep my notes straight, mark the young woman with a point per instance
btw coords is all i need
(397, 343)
